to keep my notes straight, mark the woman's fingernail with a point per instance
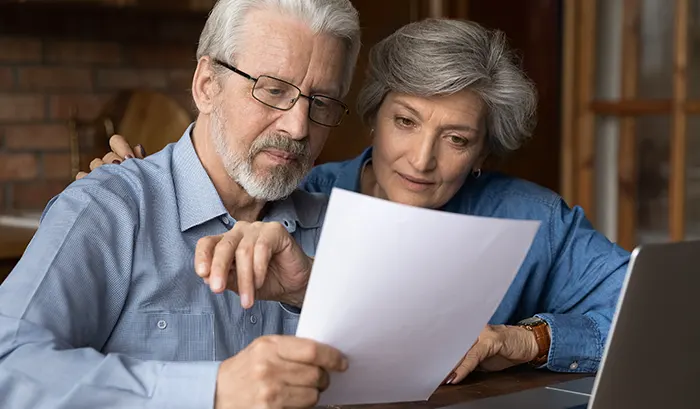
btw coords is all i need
(451, 378)
(201, 269)
(116, 161)
(245, 300)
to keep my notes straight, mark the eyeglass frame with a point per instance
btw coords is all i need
(309, 97)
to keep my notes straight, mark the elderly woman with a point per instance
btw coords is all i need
(440, 97)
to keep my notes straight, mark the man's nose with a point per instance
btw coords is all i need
(295, 121)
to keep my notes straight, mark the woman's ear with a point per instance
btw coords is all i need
(481, 159)
(205, 86)
(372, 126)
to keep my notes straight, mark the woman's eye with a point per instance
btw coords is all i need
(458, 140)
(404, 122)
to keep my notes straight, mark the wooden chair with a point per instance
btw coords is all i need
(142, 116)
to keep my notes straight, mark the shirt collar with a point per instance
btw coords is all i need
(349, 176)
(299, 209)
(198, 201)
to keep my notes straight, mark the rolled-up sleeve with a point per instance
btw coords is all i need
(60, 304)
(584, 285)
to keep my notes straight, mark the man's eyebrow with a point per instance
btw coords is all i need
(326, 92)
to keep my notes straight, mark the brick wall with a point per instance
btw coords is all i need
(55, 59)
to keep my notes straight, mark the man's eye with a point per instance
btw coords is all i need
(274, 91)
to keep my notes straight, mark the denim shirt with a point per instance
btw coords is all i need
(104, 310)
(571, 277)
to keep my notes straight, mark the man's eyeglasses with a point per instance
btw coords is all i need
(282, 95)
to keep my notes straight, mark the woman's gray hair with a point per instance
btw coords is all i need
(436, 57)
(222, 31)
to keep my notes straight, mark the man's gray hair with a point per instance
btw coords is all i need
(436, 57)
(221, 35)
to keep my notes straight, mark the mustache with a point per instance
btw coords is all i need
(298, 148)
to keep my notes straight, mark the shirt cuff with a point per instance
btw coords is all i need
(186, 385)
(576, 345)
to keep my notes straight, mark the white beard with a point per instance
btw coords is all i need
(277, 184)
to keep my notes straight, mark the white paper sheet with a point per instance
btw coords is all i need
(404, 292)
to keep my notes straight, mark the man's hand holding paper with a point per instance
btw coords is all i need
(277, 371)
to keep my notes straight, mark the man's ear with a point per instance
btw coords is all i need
(205, 86)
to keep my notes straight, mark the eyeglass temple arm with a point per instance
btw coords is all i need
(241, 73)
(236, 70)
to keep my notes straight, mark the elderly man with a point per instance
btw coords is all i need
(105, 302)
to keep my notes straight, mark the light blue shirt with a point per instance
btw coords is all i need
(571, 277)
(104, 309)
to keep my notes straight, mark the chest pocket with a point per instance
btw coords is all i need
(164, 336)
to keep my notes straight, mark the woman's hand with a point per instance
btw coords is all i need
(120, 152)
(497, 348)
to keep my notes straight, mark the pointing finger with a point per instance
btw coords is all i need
(222, 260)
(244, 269)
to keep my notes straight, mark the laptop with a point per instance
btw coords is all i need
(652, 356)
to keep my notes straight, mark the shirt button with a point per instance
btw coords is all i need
(162, 324)
(253, 319)
(573, 366)
(225, 220)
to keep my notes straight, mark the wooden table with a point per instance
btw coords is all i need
(483, 385)
(13, 242)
